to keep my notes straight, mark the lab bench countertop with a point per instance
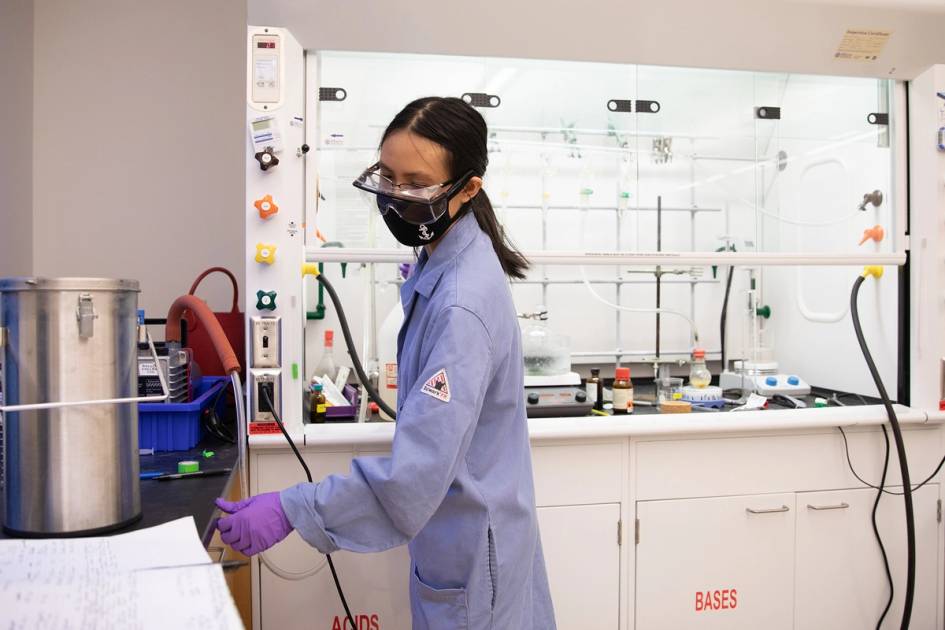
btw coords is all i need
(640, 426)
(163, 501)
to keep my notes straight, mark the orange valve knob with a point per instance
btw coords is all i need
(265, 253)
(266, 207)
(875, 233)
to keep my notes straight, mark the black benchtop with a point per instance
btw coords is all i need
(163, 501)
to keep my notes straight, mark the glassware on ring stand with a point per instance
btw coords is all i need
(546, 352)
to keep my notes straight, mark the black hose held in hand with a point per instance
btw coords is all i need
(308, 475)
(901, 452)
(355, 361)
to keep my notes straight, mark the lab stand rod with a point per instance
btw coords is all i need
(691, 210)
(659, 276)
(634, 259)
(618, 319)
(724, 158)
(588, 132)
(615, 281)
(544, 237)
(641, 353)
(515, 206)
(692, 228)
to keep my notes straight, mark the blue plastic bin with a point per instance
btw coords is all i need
(177, 426)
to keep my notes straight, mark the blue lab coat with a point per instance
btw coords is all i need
(457, 487)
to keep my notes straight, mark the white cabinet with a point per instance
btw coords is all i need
(716, 563)
(584, 564)
(840, 580)
(375, 584)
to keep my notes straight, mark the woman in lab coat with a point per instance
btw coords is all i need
(457, 487)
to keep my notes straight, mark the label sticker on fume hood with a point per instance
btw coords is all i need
(862, 44)
(264, 428)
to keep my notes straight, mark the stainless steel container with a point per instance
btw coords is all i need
(72, 470)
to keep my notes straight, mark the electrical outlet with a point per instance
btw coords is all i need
(268, 381)
(267, 341)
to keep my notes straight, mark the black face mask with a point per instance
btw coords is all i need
(415, 215)
(407, 233)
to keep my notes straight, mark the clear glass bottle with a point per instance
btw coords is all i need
(326, 365)
(699, 374)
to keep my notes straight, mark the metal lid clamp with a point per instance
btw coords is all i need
(85, 315)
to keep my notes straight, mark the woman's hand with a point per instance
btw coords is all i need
(255, 524)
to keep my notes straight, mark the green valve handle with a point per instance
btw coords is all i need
(265, 300)
(763, 311)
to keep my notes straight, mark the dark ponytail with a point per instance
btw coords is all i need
(461, 131)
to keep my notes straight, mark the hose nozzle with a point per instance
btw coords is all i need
(310, 269)
(873, 270)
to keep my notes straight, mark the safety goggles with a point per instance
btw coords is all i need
(415, 204)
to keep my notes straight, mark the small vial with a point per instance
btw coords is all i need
(595, 389)
(319, 405)
(623, 391)
(699, 375)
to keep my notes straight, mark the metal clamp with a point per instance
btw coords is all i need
(839, 506)
(106, 401)
(85, 314)
(783, 508)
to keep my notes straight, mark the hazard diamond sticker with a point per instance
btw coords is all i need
(438, 386)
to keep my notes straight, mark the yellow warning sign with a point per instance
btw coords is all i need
(862, 44)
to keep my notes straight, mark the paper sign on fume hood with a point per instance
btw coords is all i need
(862, 44)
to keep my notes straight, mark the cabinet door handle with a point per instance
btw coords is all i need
(839, 506)
(783, 508)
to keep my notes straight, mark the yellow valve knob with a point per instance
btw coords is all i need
(266, 207)
(265, 253)
(873, 270)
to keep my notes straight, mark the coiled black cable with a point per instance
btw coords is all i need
(903, 464)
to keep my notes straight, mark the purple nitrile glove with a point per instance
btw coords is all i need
(255, 524)
(405, 269)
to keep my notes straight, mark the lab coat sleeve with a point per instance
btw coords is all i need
(385, 501)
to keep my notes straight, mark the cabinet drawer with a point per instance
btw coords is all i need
(783, 463)
(578, 474)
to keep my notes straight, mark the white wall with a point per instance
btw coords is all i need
(16, 162)
(138, 142)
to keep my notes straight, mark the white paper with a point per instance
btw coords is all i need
(182, 597)
(169, 545)
(160, 577)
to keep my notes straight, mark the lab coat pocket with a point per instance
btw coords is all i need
(493, 567)
(438, 608)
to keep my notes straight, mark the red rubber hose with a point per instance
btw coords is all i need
(200, 309)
